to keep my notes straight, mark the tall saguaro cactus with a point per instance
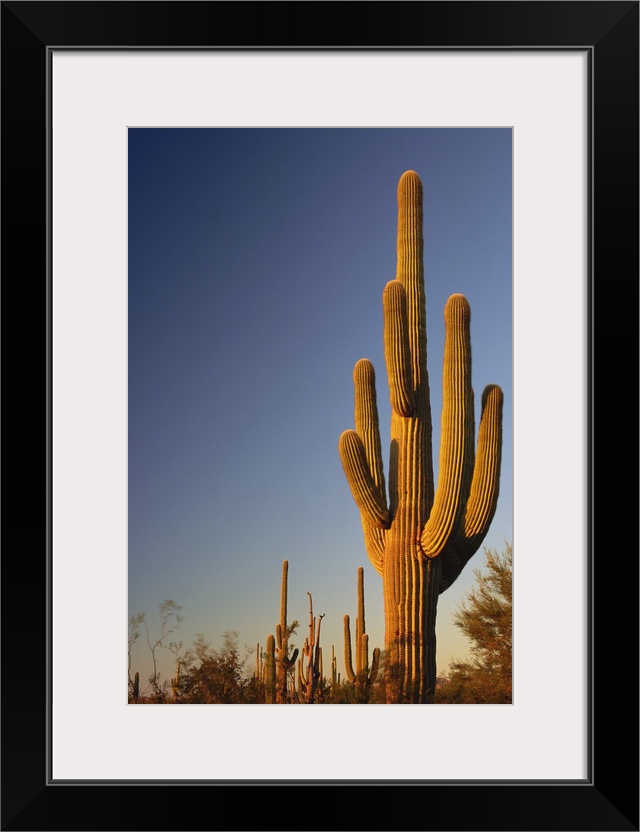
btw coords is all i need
(419, 538)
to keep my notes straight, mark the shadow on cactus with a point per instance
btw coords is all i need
(418, 537)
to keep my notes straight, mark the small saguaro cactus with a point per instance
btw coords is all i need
(136, 687)
(270, 671)
(285, 663)
(175, 683)
(363, 676)
(420, 538)
(310, 676)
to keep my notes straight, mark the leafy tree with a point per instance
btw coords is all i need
(211, 676)
(485, 617)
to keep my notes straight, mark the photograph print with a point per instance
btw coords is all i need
(319, 416)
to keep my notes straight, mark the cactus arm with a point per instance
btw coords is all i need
(318, 654)
(360, 574)
(283, 595)
(485, 488)
(485, 485)
(375, 664)
(362, 639)
(270, 671)
(456, 447)
(396, 346)
(363, 488)
(364, 653)
(410, 269)
(368, 429)
(358, 646)
(366, 418)
(348, 663)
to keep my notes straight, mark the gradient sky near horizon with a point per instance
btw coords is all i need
(257, 261)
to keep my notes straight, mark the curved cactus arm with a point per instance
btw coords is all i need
(456, 445)
(368, 429)
(367, 495)
(485, 487)
(396, 348)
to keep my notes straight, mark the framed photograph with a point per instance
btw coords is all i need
(99, 101)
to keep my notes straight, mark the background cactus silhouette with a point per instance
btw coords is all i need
(363, 676)
(285, 663)
(417, 537)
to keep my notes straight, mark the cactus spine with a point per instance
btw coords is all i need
(363, 677)
(419, 539)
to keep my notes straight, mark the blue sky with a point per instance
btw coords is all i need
(257, 261)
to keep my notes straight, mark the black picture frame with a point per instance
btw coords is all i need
(608, 799)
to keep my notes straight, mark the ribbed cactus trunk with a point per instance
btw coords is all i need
(419, 539)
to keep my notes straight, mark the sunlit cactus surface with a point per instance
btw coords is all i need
(419, 537)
